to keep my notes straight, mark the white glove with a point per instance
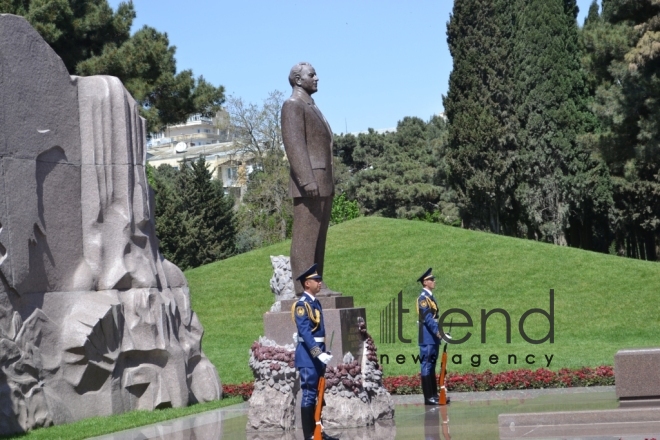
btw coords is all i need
(295, 339)
(325, 358)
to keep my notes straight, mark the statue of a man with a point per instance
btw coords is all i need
(308, 143)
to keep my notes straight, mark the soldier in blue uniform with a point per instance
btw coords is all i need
(311, 357)
(429, 337)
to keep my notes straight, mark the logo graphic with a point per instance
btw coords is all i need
(391, 322)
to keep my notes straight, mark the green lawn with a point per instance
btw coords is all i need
(97, 426)
(602, 303)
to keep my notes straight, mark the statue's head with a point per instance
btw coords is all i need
(304, 76)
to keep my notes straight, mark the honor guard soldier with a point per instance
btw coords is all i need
(429, 337)
(311, 357)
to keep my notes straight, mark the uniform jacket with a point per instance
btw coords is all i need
(308, 143)
(427, 309)
(308, 315)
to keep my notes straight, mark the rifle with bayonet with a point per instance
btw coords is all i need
(318, 429)
(443, 369)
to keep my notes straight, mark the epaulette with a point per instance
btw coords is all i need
(299, 310)
(425, 302)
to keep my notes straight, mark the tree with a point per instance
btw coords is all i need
(266, 214)
(344, 146)
(256, 129)
(623, 61)
(562, 186)
(481, 153)
(92, 39)
(172, 220)
(195, 221)
(395, 174)
(211, 223)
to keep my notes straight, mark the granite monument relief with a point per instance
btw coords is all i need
(93, 320)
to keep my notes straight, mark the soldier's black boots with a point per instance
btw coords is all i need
(307, 421)
(427, 389)
(431, 396)
(308, 424)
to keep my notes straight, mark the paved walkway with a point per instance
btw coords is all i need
(472, 416)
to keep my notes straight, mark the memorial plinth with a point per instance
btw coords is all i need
(638, 376)
(339, 317)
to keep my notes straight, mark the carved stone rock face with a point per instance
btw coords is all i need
(93, 320)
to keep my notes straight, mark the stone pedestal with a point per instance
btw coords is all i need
(355, 395)
(339, 317)
(637, 376)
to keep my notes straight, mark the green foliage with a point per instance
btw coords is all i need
(266, 213)
(92, 39)
(343, 147)
(396, 174)
(622, 60)
(518, 151)
(211, 224)
(559, 179)
(195, 220)
(481, 154)
(343, 209)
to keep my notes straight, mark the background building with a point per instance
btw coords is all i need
(207, 137)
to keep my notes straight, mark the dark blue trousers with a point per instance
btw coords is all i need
(309, 383)
(428, 356)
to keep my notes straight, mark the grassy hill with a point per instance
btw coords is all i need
(602, 303)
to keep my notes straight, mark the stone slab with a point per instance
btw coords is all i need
(327, 302)
(40, 100)
(637, 373)
(44, 225)
(576, 423)
(279, 327)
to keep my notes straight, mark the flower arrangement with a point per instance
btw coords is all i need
(486, 381)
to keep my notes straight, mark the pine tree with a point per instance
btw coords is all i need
(171, 219)
(481, 157)
(210, 221)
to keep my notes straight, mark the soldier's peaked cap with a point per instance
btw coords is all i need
(309, 274)
(426, 276)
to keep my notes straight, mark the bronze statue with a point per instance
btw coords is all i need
(308, 143)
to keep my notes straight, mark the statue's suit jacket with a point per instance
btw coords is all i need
(308, 143)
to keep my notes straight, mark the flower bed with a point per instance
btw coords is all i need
(509, 380)
(486, 381)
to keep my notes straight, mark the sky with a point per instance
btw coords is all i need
(377, 60)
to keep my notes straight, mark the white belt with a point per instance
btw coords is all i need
(322, 340)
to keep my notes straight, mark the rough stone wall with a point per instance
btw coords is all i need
(276, 382)
(354, 392)
(93, 320)
(281, 283)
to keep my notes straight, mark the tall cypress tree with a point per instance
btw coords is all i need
(562, 186)
(481, 157)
